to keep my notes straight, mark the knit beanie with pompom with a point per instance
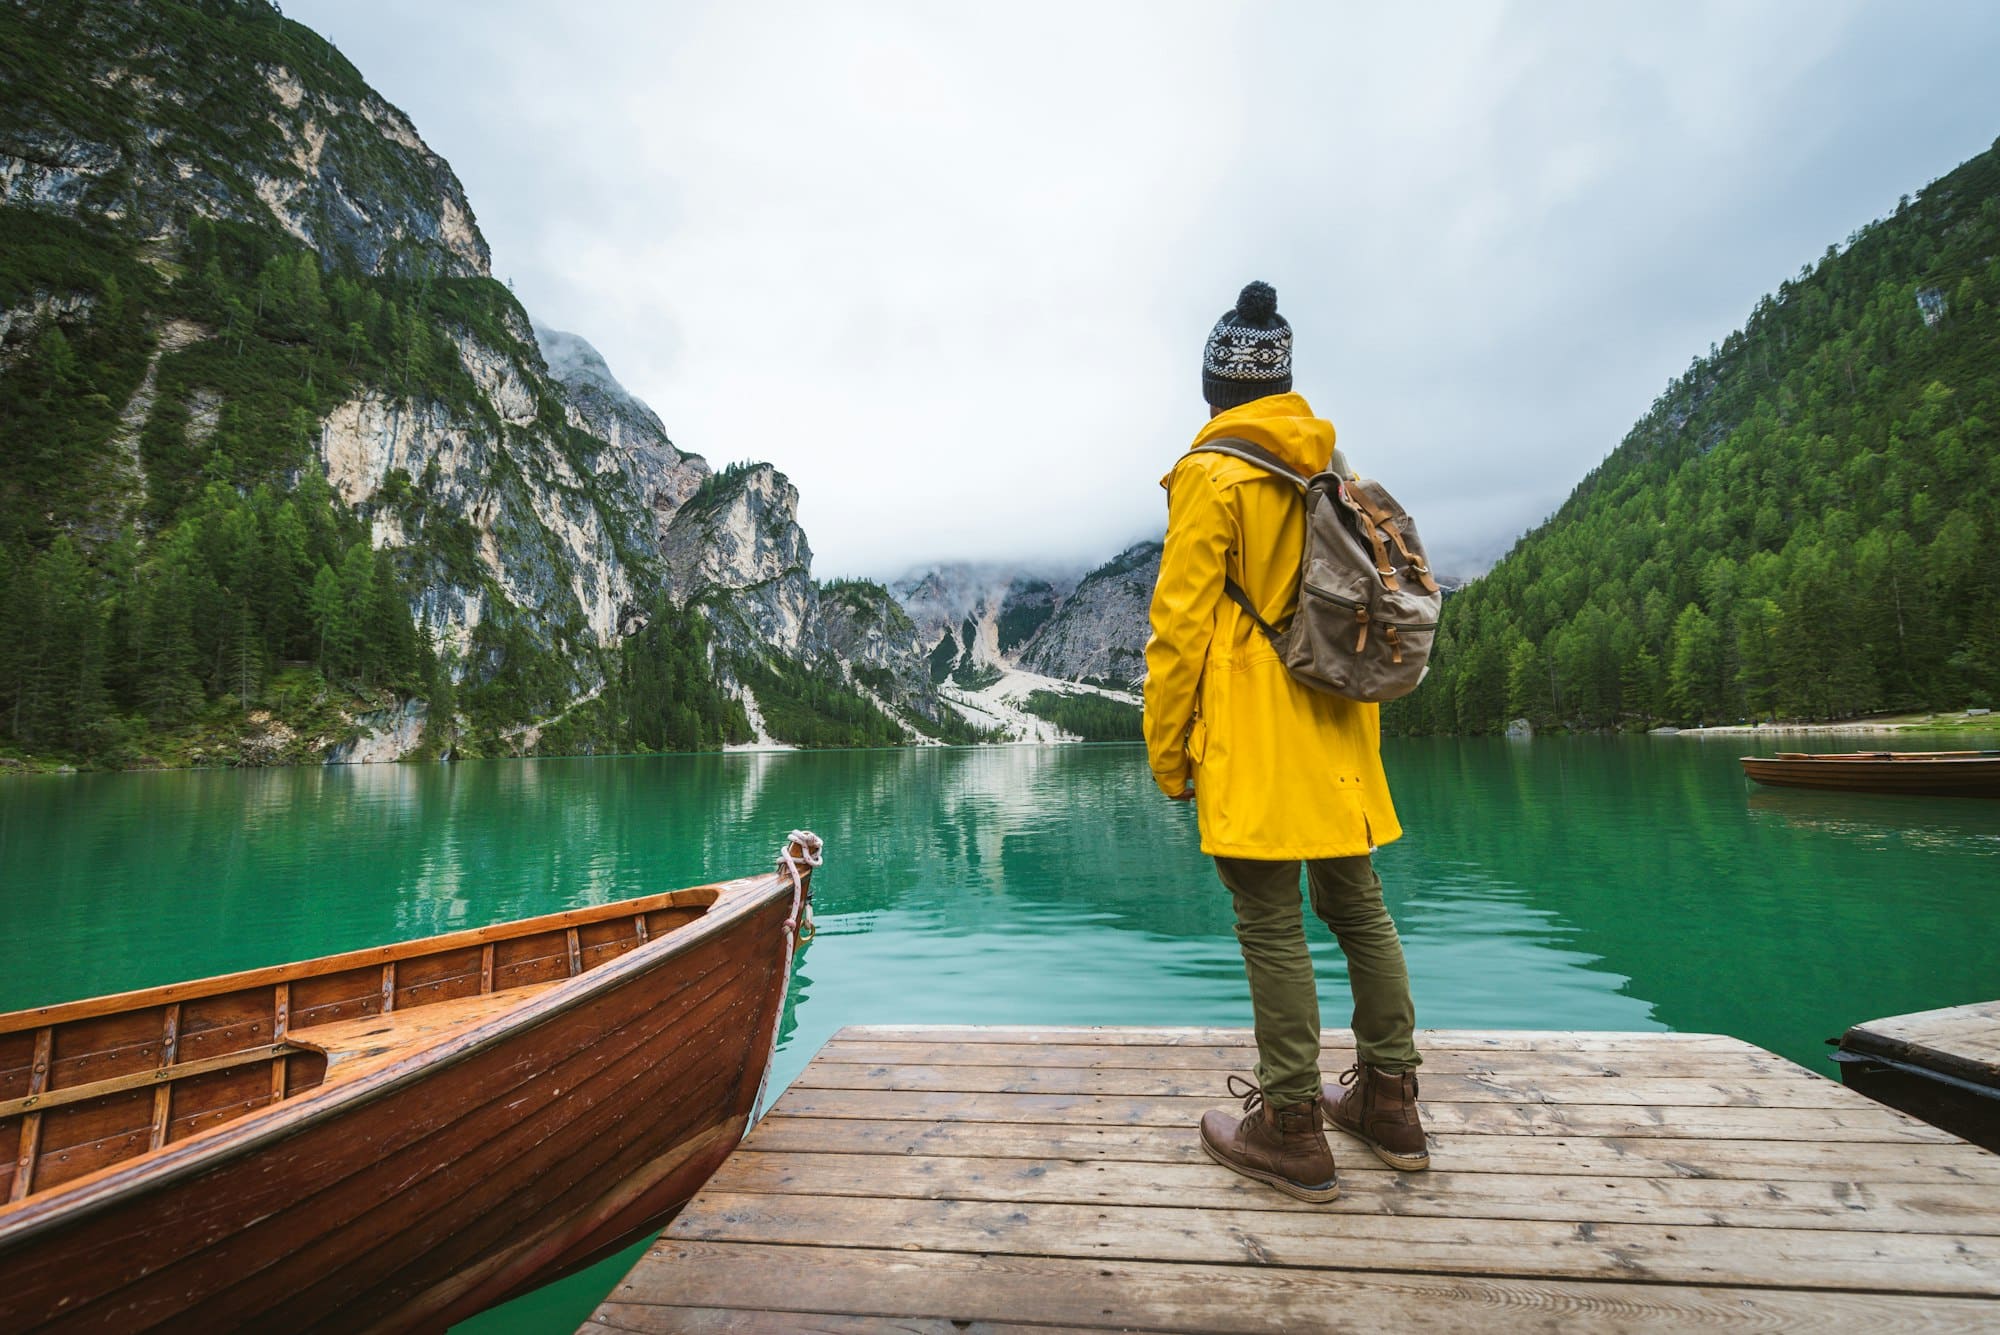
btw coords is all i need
(1249, 352)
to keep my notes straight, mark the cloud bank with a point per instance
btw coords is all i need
(951, 269)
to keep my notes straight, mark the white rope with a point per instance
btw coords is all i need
(809, 846)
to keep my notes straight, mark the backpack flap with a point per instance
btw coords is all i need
(1392, 533)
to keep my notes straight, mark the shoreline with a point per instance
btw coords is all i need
(1882, 725)
(20, 767)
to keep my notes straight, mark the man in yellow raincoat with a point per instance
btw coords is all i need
(1280, 774)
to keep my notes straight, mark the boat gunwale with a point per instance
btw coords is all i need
(93, 1193)
(1902, 759)
(265, 975)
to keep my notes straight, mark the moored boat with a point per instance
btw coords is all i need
(388, 1139)
(1942, 1066)
(1925, 773)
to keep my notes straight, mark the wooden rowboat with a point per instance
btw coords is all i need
(388, 1139)
(1927, 773)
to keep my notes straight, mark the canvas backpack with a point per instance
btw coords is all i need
(1368, 604)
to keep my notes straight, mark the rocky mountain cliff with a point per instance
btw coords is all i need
(973, 617)
(1099, 632)
(288, 453)
(636, 444)
(141, 114)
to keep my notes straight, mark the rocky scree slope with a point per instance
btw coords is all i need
(1099, 633)
(1000, 643)
(976, 621)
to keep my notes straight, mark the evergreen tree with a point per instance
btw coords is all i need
(170, 688)
(330, 622)
(1694, 672)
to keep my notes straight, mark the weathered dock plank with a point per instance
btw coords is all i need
(1442, 1086)
(1093, 1295)
(1036, 1179)
(1864, 1121)
(1370, 1188)
(1756, 1161)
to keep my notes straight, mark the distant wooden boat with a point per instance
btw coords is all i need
(1941, 1065)
(1927, 773)
(388, 1139)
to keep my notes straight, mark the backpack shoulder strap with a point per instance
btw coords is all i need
(1251, 453)
(1242, 600)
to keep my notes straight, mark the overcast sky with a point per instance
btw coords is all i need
(950, 268)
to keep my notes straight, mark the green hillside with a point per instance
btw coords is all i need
(178, 582)
(1805, 525)
(153, 589)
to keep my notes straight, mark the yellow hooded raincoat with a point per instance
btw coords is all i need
(1279, 771)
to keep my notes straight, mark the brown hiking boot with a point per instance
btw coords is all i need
(1381, 1109)
(1282, 1146)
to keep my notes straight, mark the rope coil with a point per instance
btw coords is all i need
(810, 855)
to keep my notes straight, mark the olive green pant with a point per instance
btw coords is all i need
(1347, 897)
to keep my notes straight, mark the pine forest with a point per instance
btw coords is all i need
(1806, 524)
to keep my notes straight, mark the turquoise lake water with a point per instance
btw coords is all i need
(1596, 883)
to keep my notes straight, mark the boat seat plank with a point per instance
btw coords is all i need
(1053, 1177)
(355, 1047)
(56, 1098)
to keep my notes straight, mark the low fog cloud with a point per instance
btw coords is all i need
(951, 269)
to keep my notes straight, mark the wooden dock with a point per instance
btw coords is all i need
(951, 1179)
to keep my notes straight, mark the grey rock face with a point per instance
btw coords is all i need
(868, 630)
(737, 543)
(1099, 633)
(386, 735)
(635, 443)
(21, 325)
(978, 615)
(170, 124)
(495, 510)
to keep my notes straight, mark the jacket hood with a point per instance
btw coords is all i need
(1283, 424)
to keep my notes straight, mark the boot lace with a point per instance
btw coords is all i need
(1249, 1091)
(1367, 1095)
(1284, 1119)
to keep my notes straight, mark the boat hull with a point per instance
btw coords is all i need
(1941, 1066)
(419, 1195)
(1967, 1112)
(1972, 777)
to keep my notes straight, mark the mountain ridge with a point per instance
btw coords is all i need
(1803, 524)
(301, 480)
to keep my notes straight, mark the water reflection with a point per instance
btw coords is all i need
(1731, 919)
(1564, 883)
(1943, 824)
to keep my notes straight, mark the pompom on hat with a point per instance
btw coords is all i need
(1249, 352)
